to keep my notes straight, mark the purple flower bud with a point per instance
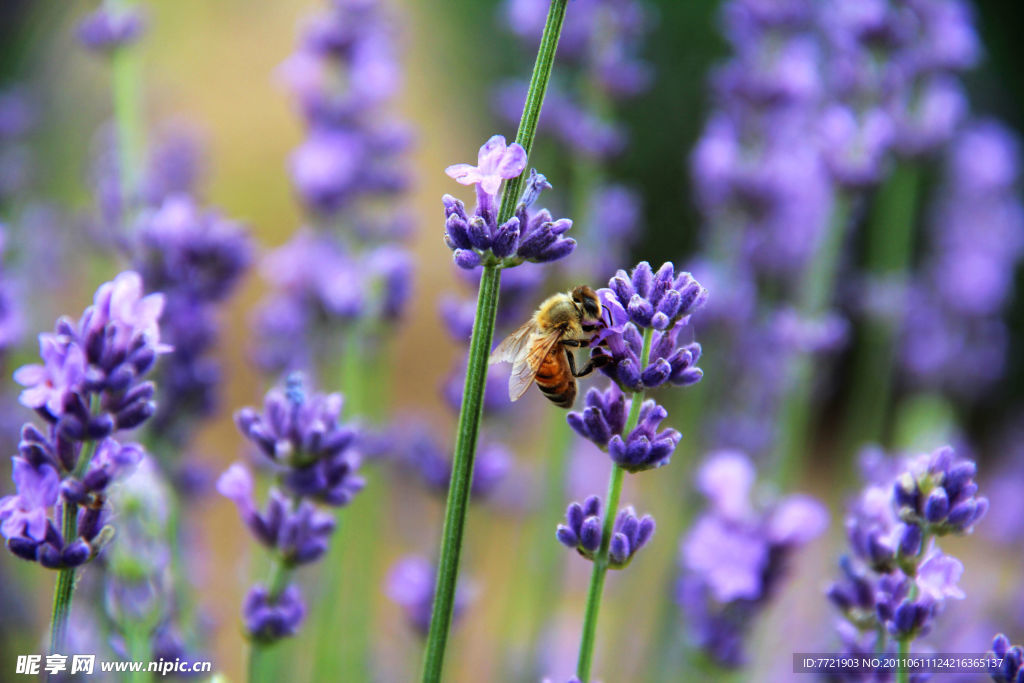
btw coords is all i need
(466, 259)
(566, 536)
(479, 235)
(76, 554)
(910, 540)
(507, 239)
(618, 551)
(271, 618)
(590, 534)
(936, 506)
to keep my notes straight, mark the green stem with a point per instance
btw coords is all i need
(612, 507)
(902, 675)
(462, 473)
(816, 288)
(259, 662)
(137, 640)
(126, 89)
(65, 588)
(890, 241)
(534, 101)
(476, 371)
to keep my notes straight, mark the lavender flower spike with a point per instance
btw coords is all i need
(604, 418)
(527, 236)
(582, 532)
(311, 451)
(410, 584)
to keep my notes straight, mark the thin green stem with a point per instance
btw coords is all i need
(126, 90)
(816, 289)
(902, 673)
(462, 473)
(589, 634)
(259, 663)
(534, 101)
(65, 588)
(476, 371)
(890, 242)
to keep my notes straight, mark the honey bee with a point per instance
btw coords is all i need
(541, 349)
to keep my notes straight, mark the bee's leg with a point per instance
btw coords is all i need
(591, 365)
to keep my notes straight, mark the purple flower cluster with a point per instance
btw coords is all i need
(410, 584)
(89, 385)
(11, 318)
(302, 439)
(599, 49)
(423, 456)
(660, 303)
(527, 236)
(109, 28)
(953, 335)
(582, 532)
(1012, 656)
(603, 421)
(892, 70)
(344, 76)
(734, 557)
(196, 257)
(897, 579)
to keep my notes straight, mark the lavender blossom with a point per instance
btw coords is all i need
(898, 580)
(89, 386)
(410, 584)
(603, 420)
(978, 238)
(1012, 657)
(109, 28)
(310, 451)
(350, 266)
(196, 258)
(582, 532)
(269, 618)
(526, 236)
(938, 493)
(425, 457)
(735, 556)
(662, 302)
(303, 437)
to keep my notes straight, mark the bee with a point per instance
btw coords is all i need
(541, 349)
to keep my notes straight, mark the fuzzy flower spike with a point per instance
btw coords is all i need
(639, 350)
(528, 235)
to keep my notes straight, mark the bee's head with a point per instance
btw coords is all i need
(587, 300)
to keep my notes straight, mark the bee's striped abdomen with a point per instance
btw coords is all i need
(555, 380)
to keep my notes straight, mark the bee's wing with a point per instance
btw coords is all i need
(512, 346)
(527, 363)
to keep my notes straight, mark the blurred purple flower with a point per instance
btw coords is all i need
(269, 618)
(410, 584)
(527, 236)
(109, 28)
(734, 557)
